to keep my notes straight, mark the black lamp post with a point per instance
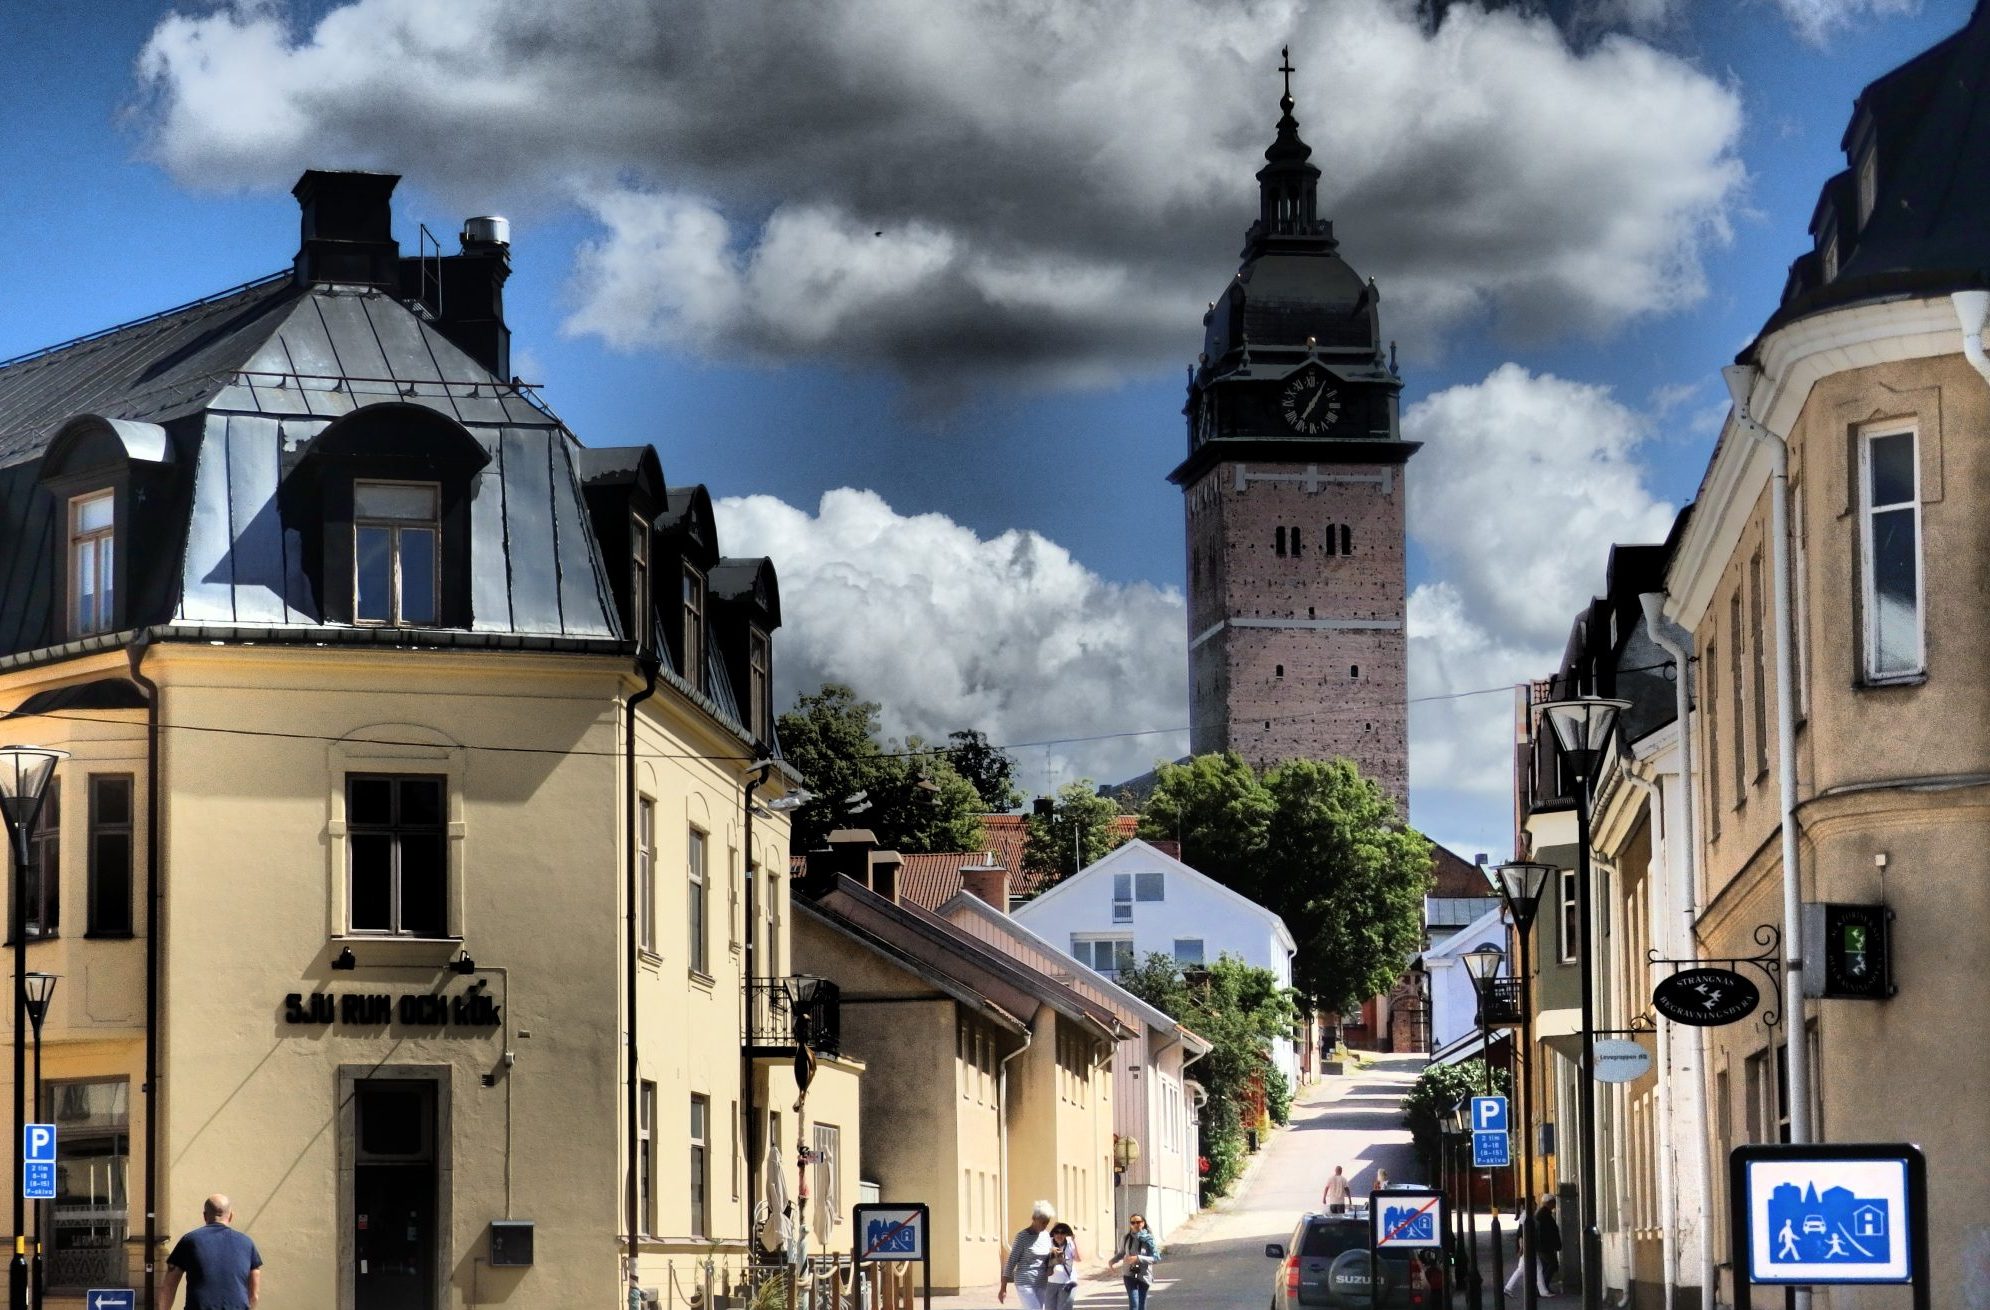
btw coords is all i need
(1461, 1119)
(1583, 728)
(25, 772)
(802, 989)
(1520, 885)
(1483, 966)
(38, 990)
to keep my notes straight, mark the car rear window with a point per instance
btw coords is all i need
(1324, 1241)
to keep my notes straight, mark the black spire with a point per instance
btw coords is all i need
(1288, 184)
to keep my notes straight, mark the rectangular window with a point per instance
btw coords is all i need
(1891, 577)
(694, 627)
(1736, 663)
(92, 563)
(1122, 898)
(828, 1196)
(1760, 702)
(86, 1221)
(398, 847)
(646, 1158)
(1868, 183)
(646, 873)
(1709, 682)
(396, 536)
(110, 854)
(1106, 955)
(759, 683)
(1188, 950)
(1799, 605)
(42, 887)
(701, 1118)
(1278, 541)
(639, 582)
(1753, 1086)
(695, 884)
(1569, 909)
(1150, 886)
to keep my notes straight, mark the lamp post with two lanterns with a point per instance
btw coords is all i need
(25, 773)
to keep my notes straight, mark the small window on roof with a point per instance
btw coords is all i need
(759, 682)
(92, 563)
(396, 549)
(639, 581)
(694, 627)
(1868, 183)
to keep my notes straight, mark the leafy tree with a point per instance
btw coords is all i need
(1318, 844)
(1239, 1009)
(1432, 1096)
(914, 798)
(1081, 823)
(990, 769)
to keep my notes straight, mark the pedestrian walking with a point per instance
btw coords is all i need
(1139, 1253)
(222, 1268)
(1548, 1241)
(1060, 1271)
(1520, 1265)
(1027, 1253)
(1335, 1195)
(1381, 1183)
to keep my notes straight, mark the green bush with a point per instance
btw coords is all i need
(1223, 1147)
(1434, 1093)
(1278, 1096)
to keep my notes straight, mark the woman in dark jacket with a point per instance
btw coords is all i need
(1138, 1251)
(1548, 1242)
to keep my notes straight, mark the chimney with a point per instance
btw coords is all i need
(849, 854)
(885, 868)
(1171, 849)
(347, 229)
(465, 292)
(988, 880)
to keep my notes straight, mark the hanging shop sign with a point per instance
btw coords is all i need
(1621, 1061)
(475, 1008)
(1705, 998)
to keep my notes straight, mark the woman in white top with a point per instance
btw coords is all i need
(1060, 1270)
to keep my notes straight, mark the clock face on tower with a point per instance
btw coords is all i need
(1310, 403)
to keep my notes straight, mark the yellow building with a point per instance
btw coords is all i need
(395, 878)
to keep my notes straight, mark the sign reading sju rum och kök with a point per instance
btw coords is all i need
(1705, 998)
(472, 1009)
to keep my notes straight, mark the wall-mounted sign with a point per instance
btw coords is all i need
(1852, 951)
(1621, 1062)
(475, 1008)
(1830, 1213)
(1705, 998)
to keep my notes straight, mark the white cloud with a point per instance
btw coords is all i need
(994, 185)
(1816, 20)
(950, 630)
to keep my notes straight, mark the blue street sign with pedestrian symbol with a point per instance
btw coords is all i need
(1491, 1150)
(111, 1298)
(1489, 1114)
(38, 1161)
(1828, 1221)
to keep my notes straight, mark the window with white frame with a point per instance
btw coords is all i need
(759, 682)
(1122, 898)
(646, 1158)
(694, 628)
(828, 1196)
(1890, 575)
(398, 854)
(1106, 955)
(1188, 950)
(701, 1121)
(1868, 183)
(639, 581)
(92, 563)
(695, 895)
(1569, 909)
(646, 873)
(396, 535)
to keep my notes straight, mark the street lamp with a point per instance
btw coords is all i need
(1520, 885)
(38, 989)
(25, 772)
(1583, 728)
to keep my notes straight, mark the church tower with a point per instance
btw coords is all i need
(1294, 494)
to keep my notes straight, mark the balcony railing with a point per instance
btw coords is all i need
(779, 1025)
(1499, 1002)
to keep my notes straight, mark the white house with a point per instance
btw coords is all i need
(1137, 901)
(1454, 1003)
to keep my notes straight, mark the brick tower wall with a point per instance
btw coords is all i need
(1300, 655)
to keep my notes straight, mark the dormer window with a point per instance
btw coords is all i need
(694, 627)
(1829, 259)
(396, 540)
(92, 563)
(639, 581)
(1868, 184)
(759, 682)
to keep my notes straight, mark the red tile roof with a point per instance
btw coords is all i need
(931, 879)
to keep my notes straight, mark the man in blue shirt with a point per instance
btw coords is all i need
(222, 1267)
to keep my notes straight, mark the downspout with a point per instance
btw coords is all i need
(749, 1114)
(630, 946)
(135, 656)
(1002, 1106)
(1678, 643)
(1741, 379)
(1972, 307)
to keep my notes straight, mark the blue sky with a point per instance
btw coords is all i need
(149, 159)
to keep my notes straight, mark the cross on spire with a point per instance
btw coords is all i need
(1287, 68)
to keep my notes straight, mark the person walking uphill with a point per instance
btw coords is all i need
(1138, 1252)
(1029, 1257)
(222, 1268)
(1336, 1193)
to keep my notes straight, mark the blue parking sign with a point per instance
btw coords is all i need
(38, 1162)
(1489, 1114)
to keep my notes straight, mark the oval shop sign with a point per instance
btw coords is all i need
(1705, 998)
(1621, 1062)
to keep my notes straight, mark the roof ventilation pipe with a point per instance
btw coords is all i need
(1972, 307)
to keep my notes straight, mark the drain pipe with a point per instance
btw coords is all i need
(1678, 643)
(647, 666)
(1972, 307)
(1002, 1112)
(135, 656)
(1741, 381)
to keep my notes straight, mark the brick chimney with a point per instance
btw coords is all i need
(347, 228)
(465, 292)
(987, 879)
(1171, 849)
(885, 868)
(849, 855)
